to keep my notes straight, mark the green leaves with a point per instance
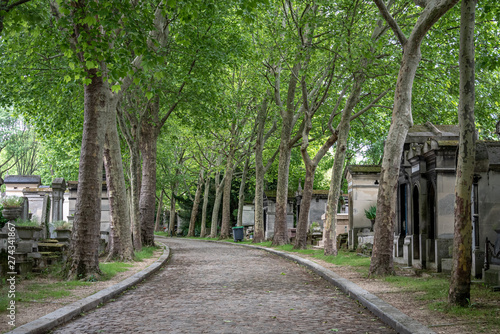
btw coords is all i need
(89, 20)
(115, 88)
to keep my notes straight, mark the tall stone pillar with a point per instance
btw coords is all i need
(58, 189)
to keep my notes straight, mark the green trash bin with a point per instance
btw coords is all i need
(238, 233)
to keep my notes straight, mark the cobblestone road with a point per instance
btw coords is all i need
(217, 288)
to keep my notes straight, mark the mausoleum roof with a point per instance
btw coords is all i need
(359, 169)
(421, 133)
(29, 179)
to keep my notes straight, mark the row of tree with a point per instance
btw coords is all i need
(195, 93)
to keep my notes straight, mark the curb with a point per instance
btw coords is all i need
(390, 315)
(68, 312)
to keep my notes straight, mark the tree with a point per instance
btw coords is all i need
(288, 108)
(92, 44)
(459, 293)
(218, 197)
(120, 247)
(130, 132)
(360, 74)
(5, 7)
(382, 262)
(203, 231)
(260, 170)
(16, 144)
(196, 204)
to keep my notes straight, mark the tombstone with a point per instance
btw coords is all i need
(26, 209)
(58, 189)
(363, 183)
(407, 250)
(248, 218)
(39, 203)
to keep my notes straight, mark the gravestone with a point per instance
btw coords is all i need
(58, 189)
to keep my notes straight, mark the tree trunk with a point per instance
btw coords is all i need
(135, 186)
(305, 205)
(215, 212)
(83, 261)
(280, 225)
(131, 136)
(171, 223)
(158, 214)
(148, 142)
(226, 197)
(120, 247)
(259, 233)
(241, 195)
(330, 227)
(382, 262)
(203, 232)
(196, 205)
(459, 293)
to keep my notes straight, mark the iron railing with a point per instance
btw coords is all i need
(489, 252)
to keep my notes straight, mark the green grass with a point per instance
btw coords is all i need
(110, 269)
(162, 234)
(42, 291)
(206, 238)
(38, 292)
(431, 287)
(483, 309)
(343, 258)
(145, 253)
(62, 288)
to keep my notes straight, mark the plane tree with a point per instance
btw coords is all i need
(432, 11)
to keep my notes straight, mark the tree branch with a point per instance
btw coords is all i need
(391, 22)
(371, 105)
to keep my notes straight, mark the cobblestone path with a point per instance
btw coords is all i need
(217, 288)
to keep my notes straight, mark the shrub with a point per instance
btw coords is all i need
(62, 225)
(371, 213)
(9, 202)
(27, 223)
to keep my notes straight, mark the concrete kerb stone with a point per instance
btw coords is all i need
(390, 315)
(66, 313)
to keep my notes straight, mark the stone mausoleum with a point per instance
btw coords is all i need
(47, 204)
(423, 235)
(316, 211)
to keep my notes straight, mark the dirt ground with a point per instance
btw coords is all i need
(405, 301)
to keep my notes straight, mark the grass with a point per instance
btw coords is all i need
(483, 309)
(145, 253)
(42, 291)
(110, 269)
(37, 291)
(431, 287)
(344, 258)
(47, 291)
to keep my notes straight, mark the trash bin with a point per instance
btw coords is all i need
(238, 233)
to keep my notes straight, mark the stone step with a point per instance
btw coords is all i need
(53, 241)
(51, 247)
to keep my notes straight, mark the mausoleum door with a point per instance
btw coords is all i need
(403, 211)
(416, 223)
(431, 226)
